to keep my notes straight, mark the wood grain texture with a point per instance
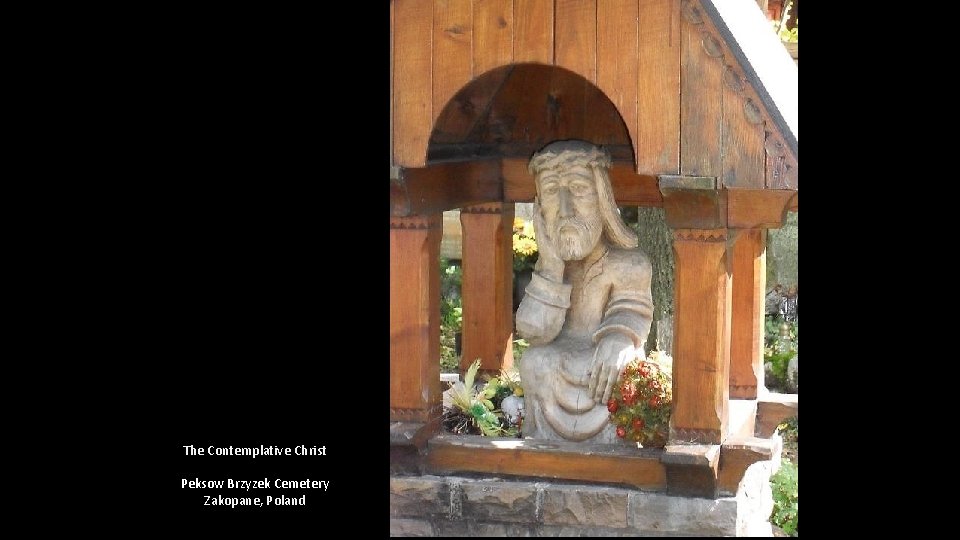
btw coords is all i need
(467, 107)
(576, 37)
(736, 456)
(413, 82)
(746, 330)
(493, 34)
(520, 112)
(414, 317)
(393, 50)
(773, 409)
(754, 208)
(487, 286)
(657, 144)
(742, 144)
(452, 50)
(533, 34)
(629, 188)
(445, 186)
(558, 460)
(617, 60)
(701, 102)
(701, 349)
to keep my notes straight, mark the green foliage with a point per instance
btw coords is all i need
(786, 495)
(790, 35)
(474, 407)
(781, 342)
(519, 345)
(451, 314)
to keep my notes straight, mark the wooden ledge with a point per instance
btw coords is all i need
(738, 453)
(558, 460)
(773, 408)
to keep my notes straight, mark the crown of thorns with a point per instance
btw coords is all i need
(567, 153)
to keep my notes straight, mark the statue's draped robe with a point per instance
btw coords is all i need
(608, 291)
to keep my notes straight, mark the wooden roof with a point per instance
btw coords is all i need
(674, 87)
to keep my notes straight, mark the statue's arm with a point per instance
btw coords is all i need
(543, 309)
(629, 310)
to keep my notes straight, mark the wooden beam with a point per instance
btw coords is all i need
(445, 186)
(758, 208)
(701, 349)
(487, 286)
(560, 460)
(746, 331)
(415, 394)
(629, 188)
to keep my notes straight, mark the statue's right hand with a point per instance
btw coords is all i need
(549, 263)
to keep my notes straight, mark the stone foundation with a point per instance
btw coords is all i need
(461, 506)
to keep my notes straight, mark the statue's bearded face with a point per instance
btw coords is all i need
(571, 210)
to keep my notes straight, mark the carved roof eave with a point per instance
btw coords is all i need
(766, 65)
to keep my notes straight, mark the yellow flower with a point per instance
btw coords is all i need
(518, 224)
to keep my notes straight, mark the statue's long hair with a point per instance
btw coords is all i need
(566, 153)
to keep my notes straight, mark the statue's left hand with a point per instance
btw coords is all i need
(614, 351)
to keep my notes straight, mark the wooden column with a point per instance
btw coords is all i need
(487, 285)
(701, 337)
(746, 337)
(415, 317)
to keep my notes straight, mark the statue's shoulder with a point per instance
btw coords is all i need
(628, 258)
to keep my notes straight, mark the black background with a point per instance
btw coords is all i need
(271, 259)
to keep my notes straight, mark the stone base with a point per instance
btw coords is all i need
(461, 506)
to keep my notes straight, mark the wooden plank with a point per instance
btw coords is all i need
(617, 60)
(657, 144)
(746, 329)
(415, 394)
(493, 35)
(444, 186)
(742, 137)
(629, 188)
(393, 51)
(487, 286)
(701, 349)
(533, 35)
(452, 50)
(576, 37)
(602, 123)
(701, 102)
(755, 208)
(413, 83)
(560, 460)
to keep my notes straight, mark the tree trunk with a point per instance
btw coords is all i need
(656, 240)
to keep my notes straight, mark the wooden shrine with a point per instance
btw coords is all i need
(696, 101)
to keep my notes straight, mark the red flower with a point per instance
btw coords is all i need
(621, 432)
(638, 424)
(612, 405)
(654, 401)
